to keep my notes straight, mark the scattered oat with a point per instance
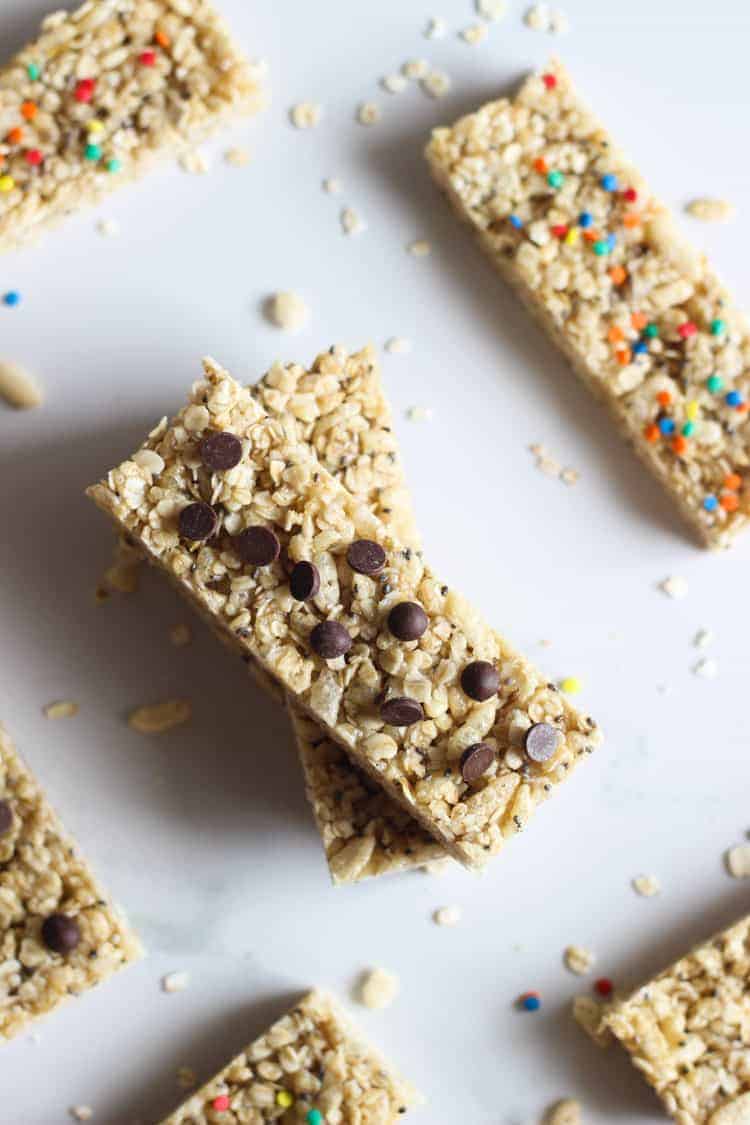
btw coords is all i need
(475, 34)
(175, 982)
(703, 638)
(159, 717)
(180, 635)
(61, 709)
(578, 959)
(674, 587)
(123, 575)
(646, 885)
(538, 18)
(287, 311)
(436, 84)
(17, 387)
(378, 989)
(195, 162)
(420, 248)
(437, 867)
(707, 669)
(108, 228)
(447, 916)
(369, 113)
(738, 861)
(493, 10)
(394, 83)
(398, 345)
(419, 414)
(81, 1112)
(352, 222)
(305, 115)
(333, 186)
(559, 23)
(565, 1112)
(436, 28)
(570, 476)
(237, 157)
(186, 1078)
(711, 210)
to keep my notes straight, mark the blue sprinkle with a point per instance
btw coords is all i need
(611, 241)
(609, 181)
(640, 347)
(734, 398)
(666, 425)
(531, 1003)
(710, 503)
(585, 219)
(515, 221)
(12, 299)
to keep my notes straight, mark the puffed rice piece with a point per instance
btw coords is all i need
(711, 210)
(61, 709)
(492, 10)
(369, 113)
(579, 959)
(306, 115)
(447, 916)
(475, 34)
(394, 83)
(415, 69)
(288, 311)
(378, 989)
(675, 587)
(175, 982)
(157, 718)
(647, 886)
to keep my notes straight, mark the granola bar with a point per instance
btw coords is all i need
(642, 318)
(101, 93)
(688, 1031)
(59, 933)
(310, 1066)
(394, 665)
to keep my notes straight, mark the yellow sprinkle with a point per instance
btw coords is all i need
(284, 1099)
(95, 126)
(692, 409)
(571, 685)
(7, 183)
(572, 236)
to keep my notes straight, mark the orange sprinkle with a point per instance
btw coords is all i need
(742, 408)
(15, 136)
(680, 444)
(664, 398)
(162, 38)
(615, 334)
(618, 274)
(29, 110)
(651, 432)
(730, 502)
(540, 164)
(631, 219)
(591, 235)
(733, 481)
(639, 321)
(623, 356)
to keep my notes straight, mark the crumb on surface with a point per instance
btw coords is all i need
(415, 69)
(369, 113)
(61, 709)
(738, 861)
(646, 885)
(81, 1112)
(18, 388)
(436, 28)
(578, 959)
(565, 1112)
(538, 17)
(436, 84)
(398, 345)
(332, 186)
(419, 413)
(180, 635)
(156, 718)
(447, 916)
(186, 1078)
(707, 668)
(194, 162)
(493, 10)
(703, 638)
(419, 248)
(108, 228)
(378, 989)
(438, 867)
(394, 83)
(175, 982)
(475, 34)
(287, 310)
(352, 222)
(306, 115)
(709, 210)
(674, 586)
(237, 156)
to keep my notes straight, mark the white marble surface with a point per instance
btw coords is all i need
(204, 834)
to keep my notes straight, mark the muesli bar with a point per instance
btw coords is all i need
(688, 1031)
(310, 1067)
(59, 932)
(645, 322)
(101, 93)
(393, 665)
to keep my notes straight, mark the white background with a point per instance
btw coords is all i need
(204, 834)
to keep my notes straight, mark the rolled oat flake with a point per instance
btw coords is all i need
(60, 933)
(480, 680)
(304, 581)
(475, 761)
(330, 640)
(258, 545)
(220, 451)
(402, 711)
(198, 521)
(6, 817)
(541, 742)
(407, 621)
(366, 556)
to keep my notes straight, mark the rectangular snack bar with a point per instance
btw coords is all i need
(59, 933)
(688, 1031)
(595, 257)
(310, 1060)
(392, 664)
(101, 93)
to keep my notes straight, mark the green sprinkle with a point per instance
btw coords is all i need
(93, 152)
(555, 179)
(601, 248)
(718, 327)
(114, 165)
(651, 331)
(314, 1117)
(34, 72)
(715, 383)
(688, 429)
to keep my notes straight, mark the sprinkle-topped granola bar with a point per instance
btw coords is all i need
(59, 933)
(103, 91)
(310, 1068)
(643, 319)
(301, 576)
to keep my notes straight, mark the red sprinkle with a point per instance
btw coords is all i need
(549, 81)
(687, 329)
(559, 230)
(604, 986)
(630, 194)
(34, 156)
(221, 1103)
(84, 90)
(147, 58)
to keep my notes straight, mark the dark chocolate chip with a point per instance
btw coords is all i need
(304, 581)
(475, 761)
(330, 639)
(198, 521)
(407, 621)
(402, 712)
(6, 817)
(480, 680)
(257, 545)
(60, 933)
(541, 742)
(220, 451)
(366, 557)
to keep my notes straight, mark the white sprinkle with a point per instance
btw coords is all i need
(436, 28)
(81, 1112)
(419, 414)
(398, 345)
(195, 162)
(61, 709)
(108, 228)
(492, 9)
(175, 982)
(738, 861)
(420, 248)
(287, 311)
(305, 115)
(475, 34)
(394, 83)
(703, 638)
(415, 69)
(333, 186)
(159, 717)
(674, 587)
(436, 84)
(447, 916)
(180, 635)
(369, 113)
(707, 669)
(538, 18)
(378, 989)
(17, 387)
(578, 959)
(237, 157)
(559, 23)
(352, 222)
(646, 885)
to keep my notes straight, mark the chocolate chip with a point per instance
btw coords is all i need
(257, 546)
(407, 621)
(198, 521)
(402, 712)
(475, 761)
(480, 680)
(60, 933)
(366, 557)
(304, 581)
(330, 639)
(541, 742)
(6, 817)
(220, 451)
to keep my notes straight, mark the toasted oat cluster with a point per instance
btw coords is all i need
(688, 1031)
(102, 92)
(643, 319)
(394, 665)
(59, 933)
(310, 1066)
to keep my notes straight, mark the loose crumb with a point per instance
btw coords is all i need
(570, 476)
(175, 982)
(738, 861)
(61, 709)
(156, 718)
(17, 387)
(108, 228)
(352, 222)
(378, 989)
(578, 959)
(237, 157)
(565, 1112)
(646, 885)
(394, 83)
(538, 18)
(707, 669)
(447, 916)
(475, 34)
(81, 1112)
(437, 867)
(559, 23)
(305, 115)
(436, 28)
(419, 414)
(287, 310)
(195, 162)
(436, 84)
(711, 210)
(186, 1078)
(369, 113)
(415, 69)
(493, 10)
(703, 638)
(674, 587)
(420, 248)
(180, 635)
(333, 186)
(398, 345)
